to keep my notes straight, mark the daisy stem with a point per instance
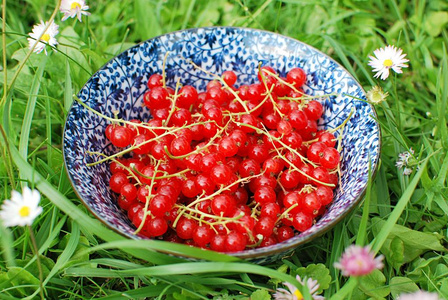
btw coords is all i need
(39, 266)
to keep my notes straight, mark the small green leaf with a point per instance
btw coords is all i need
(396, 252)
(19, 276)
(260, 295)
(400, 285)
(415, 242)
(46, 264)
(317, 272)
(435, 22)
(374, 285)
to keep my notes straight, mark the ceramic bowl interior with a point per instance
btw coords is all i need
(120, 84)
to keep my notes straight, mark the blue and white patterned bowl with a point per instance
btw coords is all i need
(121, 83)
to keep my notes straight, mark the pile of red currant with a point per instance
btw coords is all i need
(229, 168)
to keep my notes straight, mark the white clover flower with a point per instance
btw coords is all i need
(376, 95)
(404, 162)
(419, 295)
(74, 8)
(48, 36)
(22, 209)
(387, 58)
(294, 294)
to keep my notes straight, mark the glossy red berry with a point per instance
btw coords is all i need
(330, 158)
(296, 76)
(229, 77)
(155, 80)
(121, 136)
(117, 181)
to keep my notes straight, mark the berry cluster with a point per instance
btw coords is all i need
(228, 168)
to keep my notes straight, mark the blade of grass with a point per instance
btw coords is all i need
(29, 111)
(174, 248)
(188, 14)
(442, 98)
(382, 192)
(48, 121)
(7, 246)
(68, 91)
(379, 240)
(183, 268)
(362, 232)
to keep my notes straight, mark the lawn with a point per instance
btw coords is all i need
(403, 216)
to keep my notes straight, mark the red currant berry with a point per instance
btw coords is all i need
(265, 226)
(223, 205)
(180, 146)
(330, 158)
(129, 191)
(159, 205)
(309, 203)
(218, 243)
(289, 179)
(324, 194)
(235, 241)
(155, 80)
(202, 235)
(229, 77)
(264, 195)
(157, 226)
(314, 110)
(157, 98)
(284, 233)
(185, 228)
(296, 77)
(316, 151)
(302, 221)
(327, 138)
(121, 136)
(227, 147)
(117, 181)
(188, 96)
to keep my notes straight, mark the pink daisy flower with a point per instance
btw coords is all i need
(358, 261)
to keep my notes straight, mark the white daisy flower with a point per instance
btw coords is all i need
(387, 58)
(376, 95)
(294, 294)
(22, 209)
(48, 36)
(74, 8)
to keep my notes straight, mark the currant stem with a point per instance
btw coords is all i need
(148, 199)
(283, 215)
(163, 69)
(127, 150)
(173, 103)
(237, 97)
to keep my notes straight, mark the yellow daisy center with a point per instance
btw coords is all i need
(298, 294)
(45, 37)
(377, 97)
(75, 5)
(24, 211)
(388, 63)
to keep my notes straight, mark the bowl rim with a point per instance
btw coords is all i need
(248, 253)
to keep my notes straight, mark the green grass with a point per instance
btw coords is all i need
(403, 217)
